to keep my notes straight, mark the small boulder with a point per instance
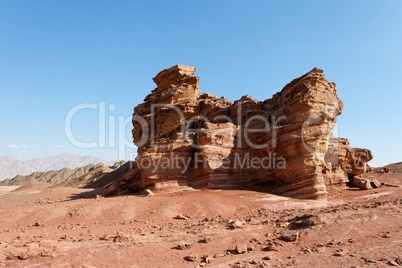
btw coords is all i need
(183, 246)
(290, 236)
(375, 183)
(241, 249)
(181, 217)
(192, 257)
(392, 263)
(236, 224)
(362, 183)
(206, 239)
(148, 193)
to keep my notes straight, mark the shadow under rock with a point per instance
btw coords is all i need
(91, 194)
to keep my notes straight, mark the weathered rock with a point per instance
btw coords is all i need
(362, 183)
(206, 239)
(365, 185)
(345, 162)
(181, 217)
(290, 236)
(251, 248)
(148, 193)
(392, 263)
(183, 246)
(206, 259)
(281, 145)
(236, 224)
(375, 183)
(192, 257)
(386, 235)
(339, 253)
(241, 249)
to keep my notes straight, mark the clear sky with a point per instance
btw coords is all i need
(55, 55)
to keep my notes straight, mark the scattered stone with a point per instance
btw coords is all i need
(23, 256)
(241, 249)
(386, 235)
(266, 258)
(183, 246)
(375, 183)
(236, 224)
(272, 245)
(255, 240)
(206, 259)
(392, 263)
(319, 248)
(149, 193)
(206, 239)
(368, 260)
(339, 254)
(103, 238)
(265, 264)
(192, 257)
(181, 217)
(290, 236)
(362, 183)
(251, 248)
(219, 255)
(121, 238)
(304, 221)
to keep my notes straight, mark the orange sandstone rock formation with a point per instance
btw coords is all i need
(280, 145)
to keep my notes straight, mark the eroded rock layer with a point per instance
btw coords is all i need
(279, 145)
(345, 162)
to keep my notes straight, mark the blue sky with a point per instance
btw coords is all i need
(55, 55)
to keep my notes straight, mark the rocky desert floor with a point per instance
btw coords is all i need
(73, 227)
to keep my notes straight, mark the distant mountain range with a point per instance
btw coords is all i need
(397, 167)
(89, 176)
(11, 167)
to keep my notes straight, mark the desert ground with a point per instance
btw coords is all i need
(75, 227)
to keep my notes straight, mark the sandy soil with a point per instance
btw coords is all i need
(70, 227)
(6, 189)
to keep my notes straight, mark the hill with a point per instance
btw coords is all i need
(92, 176)
(11, 167)
(397, 167)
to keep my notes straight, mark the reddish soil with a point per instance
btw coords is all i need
(71, 227)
